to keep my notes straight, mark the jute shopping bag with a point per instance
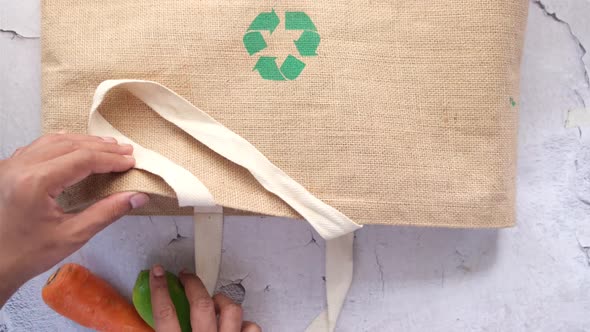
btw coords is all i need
(389, 112)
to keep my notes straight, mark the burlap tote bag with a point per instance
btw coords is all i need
(342, 113)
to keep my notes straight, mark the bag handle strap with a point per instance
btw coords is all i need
(331, 224)
(208, 228)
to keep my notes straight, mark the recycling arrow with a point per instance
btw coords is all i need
(267, 67)
(298, 21)
(307, 44)
(292, 67)
(254, 42)
(265, 22)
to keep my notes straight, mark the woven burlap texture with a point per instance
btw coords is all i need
(407, 115)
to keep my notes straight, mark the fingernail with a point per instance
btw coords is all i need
(128, 156)
(126, 145)
(138, 200)
(157, 270)
(109, 139)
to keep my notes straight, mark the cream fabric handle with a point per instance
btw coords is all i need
(326, 220)
(208, 241)
(339, 268)
(331, 224)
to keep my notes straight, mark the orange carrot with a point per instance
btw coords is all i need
(74, 292)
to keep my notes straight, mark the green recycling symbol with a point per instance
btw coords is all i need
(307, 44)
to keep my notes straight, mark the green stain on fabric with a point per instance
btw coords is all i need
(512, 102)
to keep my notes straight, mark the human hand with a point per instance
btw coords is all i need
(217, 314)
(35, 233)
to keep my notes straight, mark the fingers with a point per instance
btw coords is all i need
(73, 167)
(163, 310)
(250, 327)
(60, 148)
(203, 309)
(17, 152)
(62, 136)
(61, 160)
(74, 137)
(49, 139)
(82, 227)
(230, 314)
(202, 306)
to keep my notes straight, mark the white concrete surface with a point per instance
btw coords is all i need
(535, 277)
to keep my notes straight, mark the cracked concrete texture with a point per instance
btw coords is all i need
(20, 100)
(574, 15)
(20, 18)
(583, 51)
(380, 269)
(534, 277)
(16, 34)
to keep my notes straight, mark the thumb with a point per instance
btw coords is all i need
(101, 214)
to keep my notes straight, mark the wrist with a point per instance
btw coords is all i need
(11, 279)
(6, 291)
